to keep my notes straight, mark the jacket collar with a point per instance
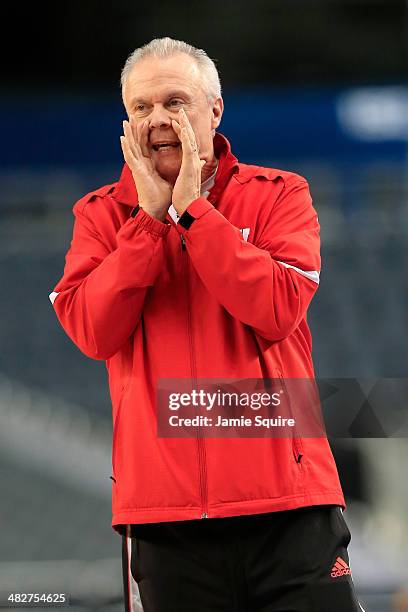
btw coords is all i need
(125, 190)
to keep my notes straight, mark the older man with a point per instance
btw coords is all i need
(196, 266)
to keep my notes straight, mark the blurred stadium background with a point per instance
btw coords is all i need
(317, 87)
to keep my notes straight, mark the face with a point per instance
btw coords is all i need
(156, 89)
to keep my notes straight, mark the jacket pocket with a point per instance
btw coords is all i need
(298, 451)
(297, 446)
(116, 426)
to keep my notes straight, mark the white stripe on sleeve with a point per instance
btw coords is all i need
(52, 296)
(312, 275)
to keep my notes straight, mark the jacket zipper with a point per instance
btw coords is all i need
(200, 441)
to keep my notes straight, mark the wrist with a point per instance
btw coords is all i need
(182, 205)
(160, 215)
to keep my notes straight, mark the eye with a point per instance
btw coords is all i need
(175, 102)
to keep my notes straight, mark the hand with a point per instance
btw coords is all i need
(188, 184)
(154, 193)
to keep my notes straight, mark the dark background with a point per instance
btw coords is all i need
(81, 46)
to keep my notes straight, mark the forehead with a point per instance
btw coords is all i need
(155, 76)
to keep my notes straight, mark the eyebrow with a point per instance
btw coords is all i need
(177, 93)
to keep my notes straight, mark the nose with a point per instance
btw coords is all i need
(159, 117)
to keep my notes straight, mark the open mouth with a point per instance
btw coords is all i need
(163, 146)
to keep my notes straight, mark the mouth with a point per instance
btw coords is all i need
(165, 146)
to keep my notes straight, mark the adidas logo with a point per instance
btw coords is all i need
(340, 568)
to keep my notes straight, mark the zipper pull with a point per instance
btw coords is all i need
(183, 242)
(204, 515)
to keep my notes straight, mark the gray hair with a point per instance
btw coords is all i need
(167, 47)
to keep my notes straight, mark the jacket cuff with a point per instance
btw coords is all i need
(194, 211)
(152, 225)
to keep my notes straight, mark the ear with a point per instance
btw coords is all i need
(217, 110)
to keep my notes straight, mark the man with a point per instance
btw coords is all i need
(195, 266)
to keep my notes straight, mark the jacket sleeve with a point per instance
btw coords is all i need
(99, 299)
(267, 285)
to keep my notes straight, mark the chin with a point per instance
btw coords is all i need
(169, 170)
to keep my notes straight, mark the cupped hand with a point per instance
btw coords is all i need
(154, 193)
(188, 184)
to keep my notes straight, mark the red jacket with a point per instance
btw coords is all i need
(230, 304)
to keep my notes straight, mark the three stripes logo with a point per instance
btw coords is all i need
(340, 568)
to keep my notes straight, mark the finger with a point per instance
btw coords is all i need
(186, 143)
(183, 118)
(142, 135)
(134, 127)
(128, 131)
(142, 156)
(127, 153)
(176, 127)
(134, 144)
(144, 139)
(129, 137)
(188, 126)
(132, 140)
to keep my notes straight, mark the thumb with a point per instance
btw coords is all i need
(176, 127)
(203, 162)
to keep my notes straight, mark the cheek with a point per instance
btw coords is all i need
(205, 126)
(137, 121)
(202, 130)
